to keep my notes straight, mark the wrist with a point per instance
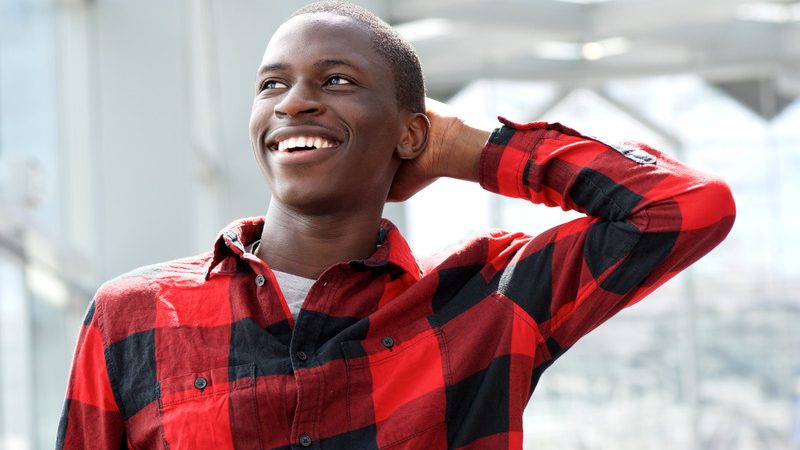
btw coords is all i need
(464, 146)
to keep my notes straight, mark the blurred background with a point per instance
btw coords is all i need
(123, 141)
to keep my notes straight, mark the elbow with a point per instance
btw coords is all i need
(711, 210)
(720, 202)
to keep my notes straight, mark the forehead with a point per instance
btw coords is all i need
(322, 36)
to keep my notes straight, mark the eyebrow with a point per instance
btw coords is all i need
(333, 62)
(321, 64)
(272, 67)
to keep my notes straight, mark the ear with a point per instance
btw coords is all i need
(413, 135)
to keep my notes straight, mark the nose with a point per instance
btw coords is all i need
(298, 100)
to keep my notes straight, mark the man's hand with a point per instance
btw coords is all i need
(453, 150)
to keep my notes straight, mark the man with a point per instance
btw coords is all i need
(315, 327)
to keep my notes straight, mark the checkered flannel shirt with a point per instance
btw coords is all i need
(203, 353)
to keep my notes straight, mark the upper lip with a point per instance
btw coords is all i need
(288, 131)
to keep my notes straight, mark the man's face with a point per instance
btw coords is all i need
(325, 121)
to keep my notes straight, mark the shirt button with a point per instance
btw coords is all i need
(200, 383)
(260, 280)
(301, 355)
(305, 440)
(387, 342)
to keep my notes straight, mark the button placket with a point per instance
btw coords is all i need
(308, 374)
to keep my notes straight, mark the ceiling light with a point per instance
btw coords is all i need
(605, 48)
(590, 51)
(419, 30)
(769, 12)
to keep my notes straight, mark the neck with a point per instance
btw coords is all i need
(307, 244)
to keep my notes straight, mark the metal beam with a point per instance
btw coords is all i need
(672, 139)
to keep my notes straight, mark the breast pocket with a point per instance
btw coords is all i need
(399, 385)
(214, 408)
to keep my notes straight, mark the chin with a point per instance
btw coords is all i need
(306, 200)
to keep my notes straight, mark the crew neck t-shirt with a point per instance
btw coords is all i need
(294, 289)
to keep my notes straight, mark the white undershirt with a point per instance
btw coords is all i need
(294, 289)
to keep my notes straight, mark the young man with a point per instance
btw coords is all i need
(315, 327)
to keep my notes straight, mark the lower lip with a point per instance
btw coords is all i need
(302, 156)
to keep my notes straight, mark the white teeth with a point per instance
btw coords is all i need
(304, 141)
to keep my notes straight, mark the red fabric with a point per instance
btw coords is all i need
(203, 353)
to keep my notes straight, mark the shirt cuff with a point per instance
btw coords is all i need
(508, 156)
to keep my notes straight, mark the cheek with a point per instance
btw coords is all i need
(259, 114)
(257, 125)
(378, 124)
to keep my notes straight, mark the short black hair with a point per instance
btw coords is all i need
(409, 83)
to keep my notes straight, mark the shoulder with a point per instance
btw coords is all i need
(142, 280)
(477, 250)
(127, 304)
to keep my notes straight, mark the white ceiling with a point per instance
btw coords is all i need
(584, 42)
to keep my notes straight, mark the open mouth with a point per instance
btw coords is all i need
(303, 143)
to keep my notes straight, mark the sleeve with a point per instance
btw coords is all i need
(647, 217)
(90, 417)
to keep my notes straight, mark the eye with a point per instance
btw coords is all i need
(337, 80)
(273, 84)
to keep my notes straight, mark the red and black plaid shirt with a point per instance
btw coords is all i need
(202, 353)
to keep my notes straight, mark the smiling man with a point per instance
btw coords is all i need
(329, 132)
(316, 327)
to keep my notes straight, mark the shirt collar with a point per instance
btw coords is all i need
(393, 248)
(231, 241)
(230, 245)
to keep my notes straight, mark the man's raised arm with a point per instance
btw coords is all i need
(648, 216)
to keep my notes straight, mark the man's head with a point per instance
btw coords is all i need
(330, 124)
(398, 52)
